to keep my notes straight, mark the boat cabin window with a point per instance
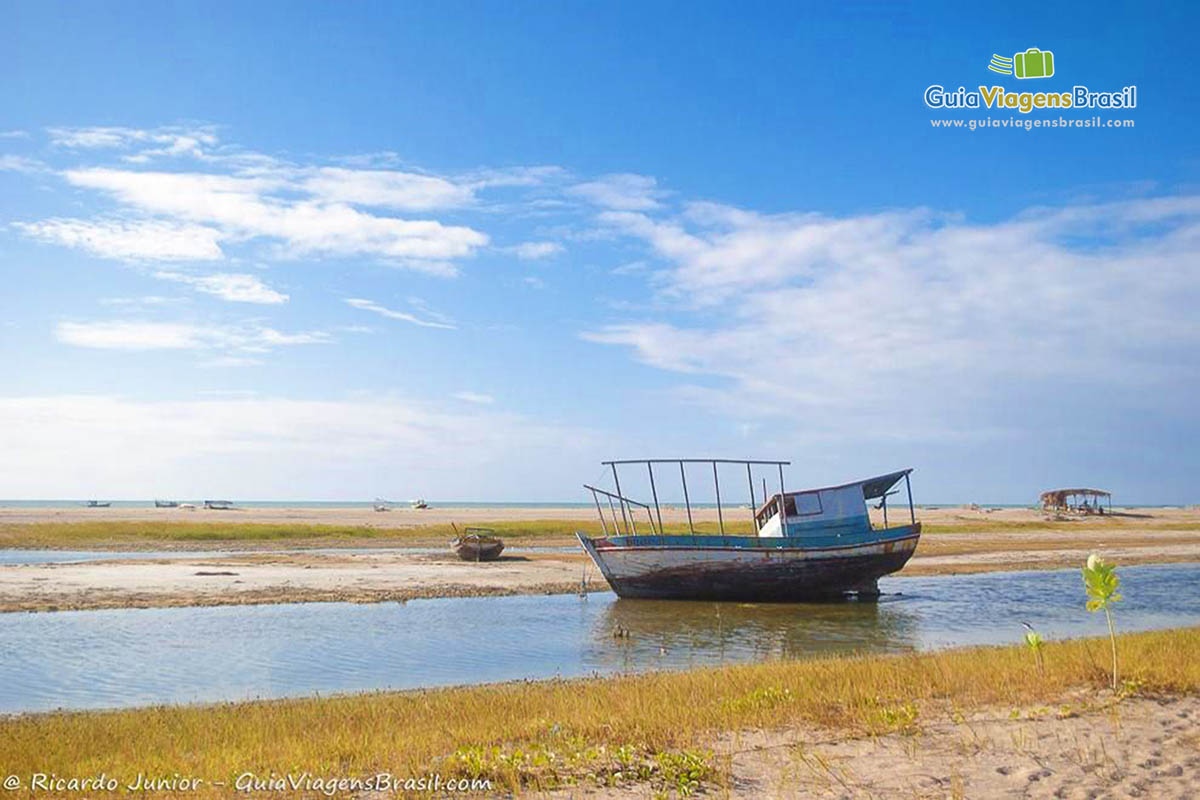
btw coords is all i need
(794, 505)
(804, 505)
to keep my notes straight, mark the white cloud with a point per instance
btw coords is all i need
(129, 240)
(216, 200)
(370, 305)
(139, 335)
(533, 251)
(834, 321)
(621, 192)
(255, 447)
(477, 398)
(234, 287)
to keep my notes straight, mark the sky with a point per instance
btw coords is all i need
(468, 250)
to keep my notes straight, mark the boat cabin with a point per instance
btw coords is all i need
(840, 509)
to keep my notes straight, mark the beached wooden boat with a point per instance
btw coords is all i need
(418, 504)
(219, 505)
(810, 544)
(477, 544)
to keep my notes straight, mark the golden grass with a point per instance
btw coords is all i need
(150, 535)
(523, 733)
(982, 525)
(125, 534)
(174, 534)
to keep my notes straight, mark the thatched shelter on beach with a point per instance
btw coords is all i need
(1082, 501)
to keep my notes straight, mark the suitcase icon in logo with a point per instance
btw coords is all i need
(1034, 63)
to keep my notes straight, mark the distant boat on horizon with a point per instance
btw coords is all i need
(97, 504)
(166, 504)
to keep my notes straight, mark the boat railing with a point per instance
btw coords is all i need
(625, 502)
(627, 521)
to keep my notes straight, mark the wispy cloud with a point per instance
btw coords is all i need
(534, 251)
(129, 240)
(403, 316)
(621, 192)
(234, 287)
(833, 320)
(144, 300)
(15, 163)
(256, 206)
(140, 335)
(474, 397)
(406, 191)
(184, 194)
(165, 141)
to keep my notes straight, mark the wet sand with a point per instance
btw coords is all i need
(281, 578)
(962, 540)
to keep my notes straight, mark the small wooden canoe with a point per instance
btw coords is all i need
(477, 544)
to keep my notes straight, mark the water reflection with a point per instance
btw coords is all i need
(681, 634)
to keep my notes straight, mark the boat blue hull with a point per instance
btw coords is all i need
(750, 569)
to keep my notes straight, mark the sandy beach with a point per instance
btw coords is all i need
(969, 517)
(280, 570)
(1143, 747)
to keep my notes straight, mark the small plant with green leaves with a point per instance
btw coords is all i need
(1036, 644)
(1100, 580)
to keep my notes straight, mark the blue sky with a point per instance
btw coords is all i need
(467, 250)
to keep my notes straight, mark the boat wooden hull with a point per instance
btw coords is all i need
(749, 569)
(478, 551)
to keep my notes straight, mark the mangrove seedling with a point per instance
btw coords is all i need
(1100, 581)
(1036, 643)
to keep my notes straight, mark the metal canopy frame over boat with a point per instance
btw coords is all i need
(629, 518)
